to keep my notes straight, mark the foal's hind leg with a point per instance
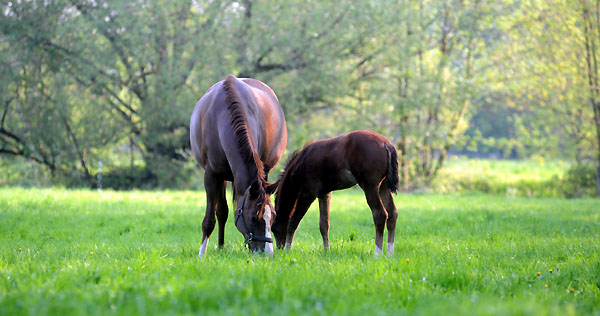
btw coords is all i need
(390, 207)
(324, 203)
(379, 215)
(211, 186)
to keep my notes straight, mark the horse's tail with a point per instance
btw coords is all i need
(392, 172)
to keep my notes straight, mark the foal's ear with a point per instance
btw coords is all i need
(271, 188)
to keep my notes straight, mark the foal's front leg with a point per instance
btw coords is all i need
(324, 204)
(302, 205)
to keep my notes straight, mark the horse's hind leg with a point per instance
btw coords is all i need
(208, 224)
(222, 211)
(379, 215)
(390, 207)
(324, 203)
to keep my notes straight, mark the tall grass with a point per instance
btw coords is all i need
(84, 252)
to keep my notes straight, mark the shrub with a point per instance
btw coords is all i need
(127, 178)
(579, 180)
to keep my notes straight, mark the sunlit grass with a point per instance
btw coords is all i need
(507, 170)
(505, 177)
(84, 252)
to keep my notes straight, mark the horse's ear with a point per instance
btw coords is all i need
(271, 188)
(254, 189)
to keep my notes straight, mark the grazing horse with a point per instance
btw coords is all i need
(362, 157)
(238, 133)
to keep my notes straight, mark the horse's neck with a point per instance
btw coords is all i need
(243, 178)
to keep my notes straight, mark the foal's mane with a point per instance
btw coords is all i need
(285, 178)
(290, 164)
(240, 126)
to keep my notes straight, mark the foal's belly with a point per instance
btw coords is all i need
(347, 178)
(344, 180)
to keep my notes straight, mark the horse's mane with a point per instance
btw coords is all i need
(240, 127)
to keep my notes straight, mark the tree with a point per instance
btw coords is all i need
(417, 82)
(84, 80)
(39, 119)
(591, 33)
(305, 51)
(548, 74)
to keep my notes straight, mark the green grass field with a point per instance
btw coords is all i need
(84, 252)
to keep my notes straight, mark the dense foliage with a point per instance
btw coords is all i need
(85, 81)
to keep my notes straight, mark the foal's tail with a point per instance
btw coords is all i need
(392, 172)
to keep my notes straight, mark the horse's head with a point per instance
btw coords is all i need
(254, 216)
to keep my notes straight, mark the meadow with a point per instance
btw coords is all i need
(512, 178)
(81, 252)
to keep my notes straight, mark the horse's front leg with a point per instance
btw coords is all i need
(222, 211)
(208, 224)
(324, 204)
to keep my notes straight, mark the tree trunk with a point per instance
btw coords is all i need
(86, 174)
(404, 163)
(592, 76)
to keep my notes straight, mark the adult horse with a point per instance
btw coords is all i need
(361, 157)
(238, 133)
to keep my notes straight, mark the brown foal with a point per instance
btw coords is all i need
(360, 157)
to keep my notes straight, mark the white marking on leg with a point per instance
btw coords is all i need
(288, 246)
(203, 247)
(267, 218)
(378, 251)
(390, 250)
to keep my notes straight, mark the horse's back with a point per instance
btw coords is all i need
(259, 85)
(211, 122)
(267, 121)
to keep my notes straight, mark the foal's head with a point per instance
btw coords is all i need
(255, 215)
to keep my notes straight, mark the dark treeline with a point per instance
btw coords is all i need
(115, 81)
